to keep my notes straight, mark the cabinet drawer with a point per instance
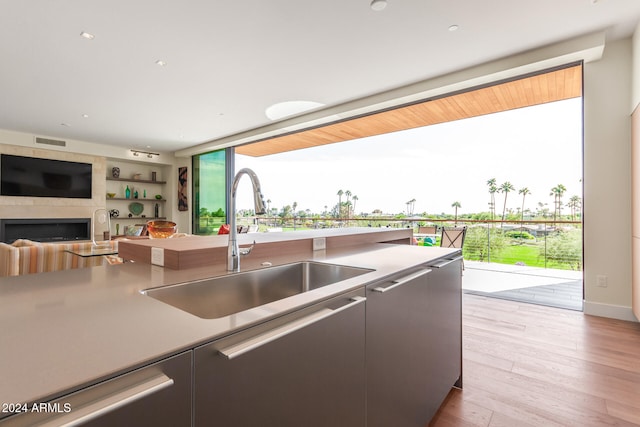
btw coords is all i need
(157, 395)
(304, 369)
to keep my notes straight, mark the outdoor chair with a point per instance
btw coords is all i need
(428, 229)
(453, 238)
(427, 234)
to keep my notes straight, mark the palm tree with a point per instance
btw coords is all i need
(295, 205)
(340, 193)
(492, 192)
(286, 212)
(524, 191)
(347, 206)
(456, 205)
(574, 203)
(557, 192)
(355, 199)
(410, 206)
(506, 188)
(542, 210)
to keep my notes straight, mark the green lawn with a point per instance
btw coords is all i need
(526, 254)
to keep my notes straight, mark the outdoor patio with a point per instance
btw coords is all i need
(535, 285)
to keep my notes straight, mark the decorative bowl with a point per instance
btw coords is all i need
(161, 229)
(111, 195)
(159, 196)
(136, 208)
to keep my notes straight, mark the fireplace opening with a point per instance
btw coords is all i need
(45, 229)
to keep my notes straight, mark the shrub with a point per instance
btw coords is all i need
(475, 243)
(519, 235)
(565, 247)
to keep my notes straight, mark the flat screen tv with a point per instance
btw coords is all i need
(36, 177)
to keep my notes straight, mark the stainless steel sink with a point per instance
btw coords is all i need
(225, 295)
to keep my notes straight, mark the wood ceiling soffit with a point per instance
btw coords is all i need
(539, 89)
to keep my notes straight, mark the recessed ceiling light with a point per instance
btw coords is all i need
(453, 27)
(290, 108)
(161, 63)
(378, 5)
(86, 116)
(87, 36)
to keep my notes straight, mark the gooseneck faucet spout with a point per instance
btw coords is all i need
(233, 250)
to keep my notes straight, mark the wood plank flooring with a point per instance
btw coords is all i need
(531, 365)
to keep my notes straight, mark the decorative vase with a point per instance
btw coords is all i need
(115, 172)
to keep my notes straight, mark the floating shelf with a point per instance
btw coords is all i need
(137, 200)
(146, 218)
(144, 181)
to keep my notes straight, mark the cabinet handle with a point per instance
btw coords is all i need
(110, 402)
(272, 335)
(446, 262)
(401, 282)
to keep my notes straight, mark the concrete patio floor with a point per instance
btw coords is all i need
(535, 285)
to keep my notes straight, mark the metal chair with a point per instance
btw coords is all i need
(453, 238)
(427, 229)
(427, 234)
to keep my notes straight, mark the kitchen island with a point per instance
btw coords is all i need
(65, 331)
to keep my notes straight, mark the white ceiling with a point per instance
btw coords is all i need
(228, 61)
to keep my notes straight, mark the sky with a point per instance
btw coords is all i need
(535, 147)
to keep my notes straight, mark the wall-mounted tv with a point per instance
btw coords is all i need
(36, 177)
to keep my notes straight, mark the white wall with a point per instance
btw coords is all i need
(607, 181)
(635, 69)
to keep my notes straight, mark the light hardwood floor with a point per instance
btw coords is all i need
(530, 365)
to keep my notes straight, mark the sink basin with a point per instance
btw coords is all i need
(225, 295)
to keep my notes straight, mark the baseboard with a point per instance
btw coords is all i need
(608, 310)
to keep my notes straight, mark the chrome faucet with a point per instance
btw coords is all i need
(233, 250)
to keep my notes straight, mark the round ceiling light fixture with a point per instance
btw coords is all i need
(290, 108)
(378, 5)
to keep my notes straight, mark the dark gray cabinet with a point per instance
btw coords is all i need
(398, 351)
(157, 395)
(384, 355)
(304, 369)
(445, 331)
(413, 344)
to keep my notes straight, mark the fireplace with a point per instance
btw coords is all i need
(45, 229)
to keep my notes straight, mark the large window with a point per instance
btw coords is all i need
(209, 192)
